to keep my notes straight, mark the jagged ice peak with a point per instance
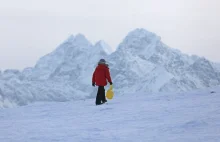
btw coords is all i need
(79, 39)
(104, 46)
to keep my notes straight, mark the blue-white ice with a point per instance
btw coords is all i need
(140, 117)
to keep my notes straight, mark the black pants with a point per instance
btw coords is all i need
(100, 95)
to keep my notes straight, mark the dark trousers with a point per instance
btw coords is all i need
(100, 95)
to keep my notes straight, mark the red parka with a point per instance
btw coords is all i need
(101, 75)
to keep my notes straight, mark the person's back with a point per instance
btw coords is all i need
(101, 74)
(100, 77)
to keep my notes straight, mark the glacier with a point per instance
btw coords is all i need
(141, 62)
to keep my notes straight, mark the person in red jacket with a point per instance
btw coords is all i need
(100, 77)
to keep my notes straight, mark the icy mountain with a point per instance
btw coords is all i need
(62, 75)
(142, 62)
(140, 117)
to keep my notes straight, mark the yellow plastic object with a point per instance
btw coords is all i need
(110, 93)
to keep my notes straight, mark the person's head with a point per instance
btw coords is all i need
(102, 61)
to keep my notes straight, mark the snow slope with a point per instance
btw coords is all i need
(185, 117)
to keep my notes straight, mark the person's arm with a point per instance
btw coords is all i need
(107, 74)
(93, 78)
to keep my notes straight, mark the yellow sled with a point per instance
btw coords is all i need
(110, 93)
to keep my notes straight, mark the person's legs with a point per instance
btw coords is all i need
(99, 96)
(103, 94)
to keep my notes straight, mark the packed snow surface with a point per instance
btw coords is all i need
(139, 117)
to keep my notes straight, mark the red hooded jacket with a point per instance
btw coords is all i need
(101, 75)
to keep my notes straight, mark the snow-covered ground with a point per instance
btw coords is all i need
(140, 117)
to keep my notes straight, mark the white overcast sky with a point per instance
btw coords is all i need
(30, 29)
